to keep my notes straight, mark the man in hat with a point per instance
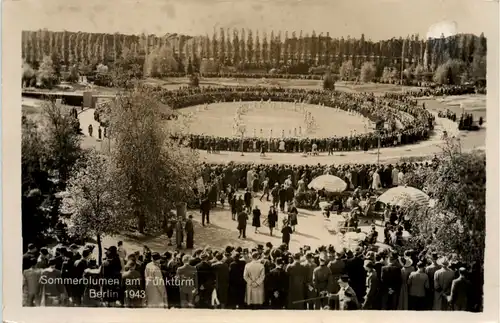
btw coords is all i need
(205, 206)
(156, 293)
(460, 291)
(337, 268)
(179, 233)
(254, 275)
(297, 273)
(430, 271)
(390, 284)
(276, 285)
(418, 286)
(221, 270)
(242, 224)
(32, 253)
(322, 280)
(134, 294)
(31, 282)
(265, 185)
(206, 281)
(443, 278)
(53, 292)
(188, 274)
(79, 268)
(189, 227)
(275, 195)
(372, 287)
(310, 266)
(237, 283)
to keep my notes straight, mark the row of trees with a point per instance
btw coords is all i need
(135, 185)
(249, 50)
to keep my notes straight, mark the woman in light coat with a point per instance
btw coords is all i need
(156, 292)
(254, 275)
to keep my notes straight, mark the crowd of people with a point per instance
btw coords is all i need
(264, 277)
(443, 90)
(415, 123)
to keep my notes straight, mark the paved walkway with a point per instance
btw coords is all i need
(312, 230)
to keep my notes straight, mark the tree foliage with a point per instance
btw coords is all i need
(160, 62)
(449, 72)
(90, 199)
(329, 81)
(346, 71)
(46, 73)
(61, 138)
(368, 71)
(455, 225)
(151, 171)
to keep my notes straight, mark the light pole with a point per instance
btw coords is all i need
(378, 148)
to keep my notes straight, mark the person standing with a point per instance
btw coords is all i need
(430, 271)
(286, 232)
(156, 293)
(248, 200)
(391, 280)
(254, 275)
(460, 289)
(443, 278)
(272, 218)
(206, 281)
(282, 193)
(205, 210)
(187, 273)
(322, 281)
(372, 287)
(275, 195)
(221, 270)
(233, 204)
(90, 130)
(256, 218)
(242, 224)
(310, 290)
(406, 270)
(297, 275)
(276, 285)
(31, 283)
(189, 227)
(418, 287)
(179, 233)
(133, 292)
(53, 292)
(237, 284)
(293, 215)
(265, 187)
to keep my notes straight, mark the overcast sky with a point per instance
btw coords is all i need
(377, 19)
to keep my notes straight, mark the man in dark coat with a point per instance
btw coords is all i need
(460, 290)
(356, 272)
(189, 227)
(242, 224)
(276, 285)
(372, 285)
(205, 210)
(237, 284)
(79, 268)
(390, 284)
(297, 281)
(206, 282)
(221, 270)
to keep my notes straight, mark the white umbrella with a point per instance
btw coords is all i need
(403, 196)
(330, 183)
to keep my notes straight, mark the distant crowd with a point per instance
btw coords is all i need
(415, 123)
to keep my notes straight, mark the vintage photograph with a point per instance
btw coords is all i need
(229, 155)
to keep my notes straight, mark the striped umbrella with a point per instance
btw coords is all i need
(404, 196)
(330, 183)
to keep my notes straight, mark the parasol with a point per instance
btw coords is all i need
(403, 196)
(330, 183)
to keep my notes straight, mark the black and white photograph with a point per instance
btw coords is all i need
(254, 155)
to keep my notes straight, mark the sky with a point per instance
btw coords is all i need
(377, 19)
